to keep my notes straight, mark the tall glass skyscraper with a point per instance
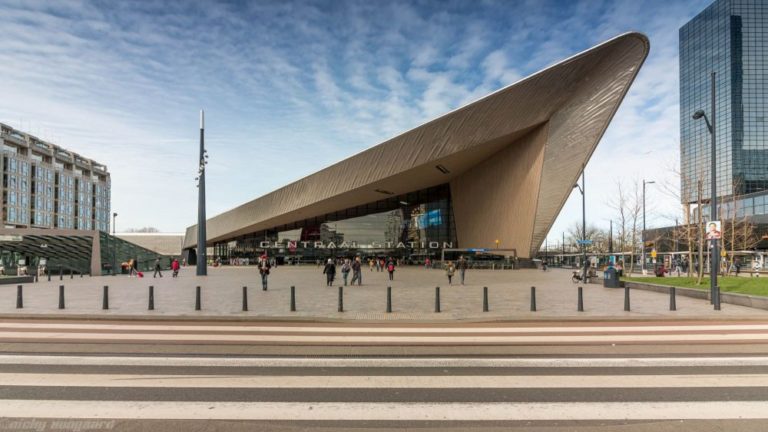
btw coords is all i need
(729, 37)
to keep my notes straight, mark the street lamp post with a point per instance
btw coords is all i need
(714, 262)
(202, 261)
(583, 222)
(114, 244)
(642, 240)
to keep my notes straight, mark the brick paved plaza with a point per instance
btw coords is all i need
(413, 292)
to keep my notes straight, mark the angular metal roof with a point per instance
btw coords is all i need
(575, 99)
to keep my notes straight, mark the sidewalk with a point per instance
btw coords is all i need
(413, 297)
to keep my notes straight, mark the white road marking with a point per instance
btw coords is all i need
(386, 381)
(297, 411)
(373, 330)
(325, 339)
(301, 362)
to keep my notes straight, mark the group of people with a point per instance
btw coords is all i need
(134, 272)
(461, 265)
(355, 267)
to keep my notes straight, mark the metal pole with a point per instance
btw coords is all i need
(245, 299)
(293, 298)
(642, 234)
(151, 304)
(202, 264)
(485, 299)
(714, 261)
(584, 220)
(437, 299)
(389, 299)
(19, 297)
(672, 301)
(533, 299)
(626, 299)
(341, 299)
(105, 298)
(197, 298)
(61, 296)
(114, 244)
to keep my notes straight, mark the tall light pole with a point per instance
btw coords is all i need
(202, 261)
(583, 222)
(642, 240)
(114, 245)
(714, 261)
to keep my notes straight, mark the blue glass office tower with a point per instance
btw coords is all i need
(728, 37)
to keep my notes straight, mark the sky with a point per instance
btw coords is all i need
(290, 87)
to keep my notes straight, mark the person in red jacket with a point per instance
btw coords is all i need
(175, 267)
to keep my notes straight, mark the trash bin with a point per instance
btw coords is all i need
(611, 278)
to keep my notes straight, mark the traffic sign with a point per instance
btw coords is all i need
(584, 242)
(653, 253)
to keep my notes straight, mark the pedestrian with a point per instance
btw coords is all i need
(345, 269)
(131, 268)
(391, 270)
(738, 267)
(357, 274)
(157, 268)
(449, 271)
(264, 267)
(462, 265)
(175, 267)
(427, 263)
(370, 265)
(330, 272)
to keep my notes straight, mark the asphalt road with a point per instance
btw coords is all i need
(609, 376)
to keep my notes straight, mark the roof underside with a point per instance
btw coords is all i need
(576, 98)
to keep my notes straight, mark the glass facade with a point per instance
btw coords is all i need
(728, 37)
(409, 227)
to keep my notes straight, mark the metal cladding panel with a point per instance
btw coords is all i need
(459, 140)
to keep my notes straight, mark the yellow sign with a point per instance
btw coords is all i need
(653, 253)
(723, 254)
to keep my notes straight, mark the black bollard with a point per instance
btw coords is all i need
(245, 299)
(341, 299)
(626, 299)
(389, 299)
(485, 299)
(19, 297)
(105, 298)
(197, 298)
(581, 300)
(672, 301)
(533, 299)
(61, 296)
(293, 298)
(151, 305)
(437, 299)
(717, 298)
(49, 275)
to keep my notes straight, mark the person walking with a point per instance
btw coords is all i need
(462, 265)
(264, 267)
(345, 269)
(391, 270)
(370, 264)
(175, 267)
(157, 268)
(330, 272)
(449, 271)
(357, 274)
(428, 263)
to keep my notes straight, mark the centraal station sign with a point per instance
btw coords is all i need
(293, 245)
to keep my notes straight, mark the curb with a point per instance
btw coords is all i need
(756, 302)
(391, 322)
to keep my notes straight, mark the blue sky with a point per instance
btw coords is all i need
(290, 87)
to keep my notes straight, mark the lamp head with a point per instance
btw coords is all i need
(698, 114)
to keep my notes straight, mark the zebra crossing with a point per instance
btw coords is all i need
(399, 390)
